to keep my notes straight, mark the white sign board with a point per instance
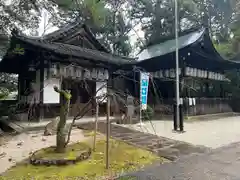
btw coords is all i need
(190, 101)
(101, 91)
(49, 95)
(144, 78)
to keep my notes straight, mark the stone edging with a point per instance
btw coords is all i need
(59, 162)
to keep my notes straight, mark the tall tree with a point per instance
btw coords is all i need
(228, 32)
(106, 20)
(157, 17)
(15, 14)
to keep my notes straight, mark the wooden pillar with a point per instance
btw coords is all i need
(41, 103)
(19, 87)
(93, 94)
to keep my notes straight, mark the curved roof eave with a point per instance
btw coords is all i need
(169, 46)
(234, 64)
(76, 51)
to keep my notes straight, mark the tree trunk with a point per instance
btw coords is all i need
(61, 135)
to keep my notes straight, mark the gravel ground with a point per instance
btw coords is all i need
(212, 134)
(21, 146)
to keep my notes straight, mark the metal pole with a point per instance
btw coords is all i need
(108, 130)
(177, 63)
(96, 126)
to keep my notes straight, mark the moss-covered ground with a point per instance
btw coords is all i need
(123, 158)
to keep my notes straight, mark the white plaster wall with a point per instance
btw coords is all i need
(49, 95)
(101, 90)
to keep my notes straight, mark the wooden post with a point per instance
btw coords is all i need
(96, 126)
(108, 131)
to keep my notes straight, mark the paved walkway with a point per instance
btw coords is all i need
(21, 146)
(164, 147)
(221, 164)
(213, 134)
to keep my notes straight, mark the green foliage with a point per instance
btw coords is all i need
(159, 17)
(8, 84)
(123, 158)
(105, 19)
(148, 113)
(225, 49)
(4, 92)
(18, 50)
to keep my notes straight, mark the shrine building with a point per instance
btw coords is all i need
(69, 58)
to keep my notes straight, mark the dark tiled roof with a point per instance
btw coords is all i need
(169, 45)
(73, 28)
(76, 51)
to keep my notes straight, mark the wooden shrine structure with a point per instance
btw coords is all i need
(202, 73)
(72, 58)
(69, 58)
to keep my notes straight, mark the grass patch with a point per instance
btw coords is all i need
(88, 133)
(123, 158)
(72, 151)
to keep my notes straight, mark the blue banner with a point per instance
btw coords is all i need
(144, 81)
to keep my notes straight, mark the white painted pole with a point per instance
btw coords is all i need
(177, 62)
(108, 131)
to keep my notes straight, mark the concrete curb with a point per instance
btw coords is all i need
(41, 127)
(210, 116)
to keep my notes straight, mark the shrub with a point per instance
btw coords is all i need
(148, 113)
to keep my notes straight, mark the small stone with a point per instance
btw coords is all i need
(20, 143)
(33, 136)
(51, 127)
(1, 132)
(9, 159)
(44, 139)
(3, 154)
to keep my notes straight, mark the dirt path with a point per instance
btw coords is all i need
(21, 146)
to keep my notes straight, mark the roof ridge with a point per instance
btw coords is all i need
(61, 30)
(171, 37)
(93, 50)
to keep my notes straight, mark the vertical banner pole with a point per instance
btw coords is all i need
(144, 81)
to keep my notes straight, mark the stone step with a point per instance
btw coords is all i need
(10, 126)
